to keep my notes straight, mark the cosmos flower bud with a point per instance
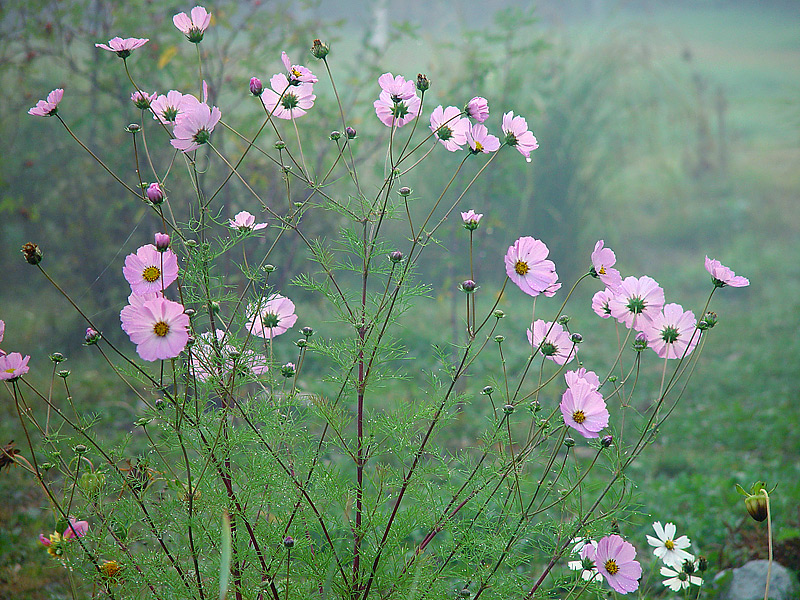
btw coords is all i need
(160, 404)
(80, 449)
(350, 132)
(189, 312)
(396, 256)
(487, 391)
(64, 373)
(498, 314)
(756, 505)
(154, 193)
(569, 442)
(576, 338)
(535, 406)
(301, 343)
(307, 331)
(499, 339)
(640, 342)
(288, 542)
(92, 336)
(404, 191)
(280, 145)
(319, 49)
(133, 128)
(702, 563)
(162, 242)
(468, 286)
(710, 319)
(32, 253)
(607, 441)
(57, 357)
(508, 409)
(256, 87)
(563, 319)
(465, 593)
(288, 370)
(423, 83)
(335, 135)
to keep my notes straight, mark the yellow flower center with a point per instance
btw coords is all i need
(521, 267)
(11, 370)
(110, 568)
(611, 567)
(296, 73)
(578, 417)
(602, 271)
(478, 146)
(151, 274)
(669, 545)
(161, 329)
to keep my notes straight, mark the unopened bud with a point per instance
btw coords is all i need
(162, 242)
(189, 312)
(256, 86)
(307, 331)
(64, 373)
(160, 404)
(498, 314)
(133, 128)
(396, 256)
(288, 542)
(319, 49)
(702, 563)
(508, 409)
(468, 286)
(92, 336)
(465, 593)
(640, 342)
(404, 191)
(534, 406)
(350, 132)
(57, 357)
(607, 441)
(487, 391)
(423, 83)
(288, 370)
(280, 145)
(215, 306)
(576, 338)
(154, 193)
(301, 343)
(335, 135)
(563, 319)
(499, 339)
(32, 253)
(569, 442)
(80, 449)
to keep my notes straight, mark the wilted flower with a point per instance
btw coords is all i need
(49, 107)
(195, 26)
(123, 47)
(319, 49)
(32, 253)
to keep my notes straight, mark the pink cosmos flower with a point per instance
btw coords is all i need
(154, 193)
(245, 222)
(582, 374)
(584, 409)
(449, 127)
(398, 112)
(167, 108)
(615, 561)
(552, 341)
(471, 219)
(672, 333)
(143, 100)
(150, 270)
(13, 366)
(478, 109)
(122, 47)
(158, 327)
(193, 128)
(297, 73)
(275, 317)
(195, 26)
(49, 107)
(397, 87)
(528, 267)
(480, 140)
(602, 261)
(638, 301)
(2, 331)
(600, 303)
(551, 289)
(518, 135)
(76, 529)
(288, 100)
(720, 274)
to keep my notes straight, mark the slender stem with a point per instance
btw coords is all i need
(769, 541)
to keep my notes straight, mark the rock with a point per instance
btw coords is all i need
(748, 581)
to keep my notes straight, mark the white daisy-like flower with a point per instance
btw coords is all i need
(679, 580)
(669, 549)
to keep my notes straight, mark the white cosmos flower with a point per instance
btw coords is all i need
(667, 548)
(678, 580)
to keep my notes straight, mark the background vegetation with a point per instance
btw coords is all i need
(671, 132)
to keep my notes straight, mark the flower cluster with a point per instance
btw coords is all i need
(679, 564)
(291, 94)
(55, 542)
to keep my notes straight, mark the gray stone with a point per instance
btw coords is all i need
(748, 582)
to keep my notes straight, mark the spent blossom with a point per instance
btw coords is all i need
(143, 100)
(149, 270)
(123, 47)
(722, 275)
(518, 135)
(49, 107)
(245, 222)
(671, 550)
(614, 560)
(449, 127)
(478, 109)
(193, 128)
(528, 267)
(672, 333)
(602, 261)
(194, 26)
